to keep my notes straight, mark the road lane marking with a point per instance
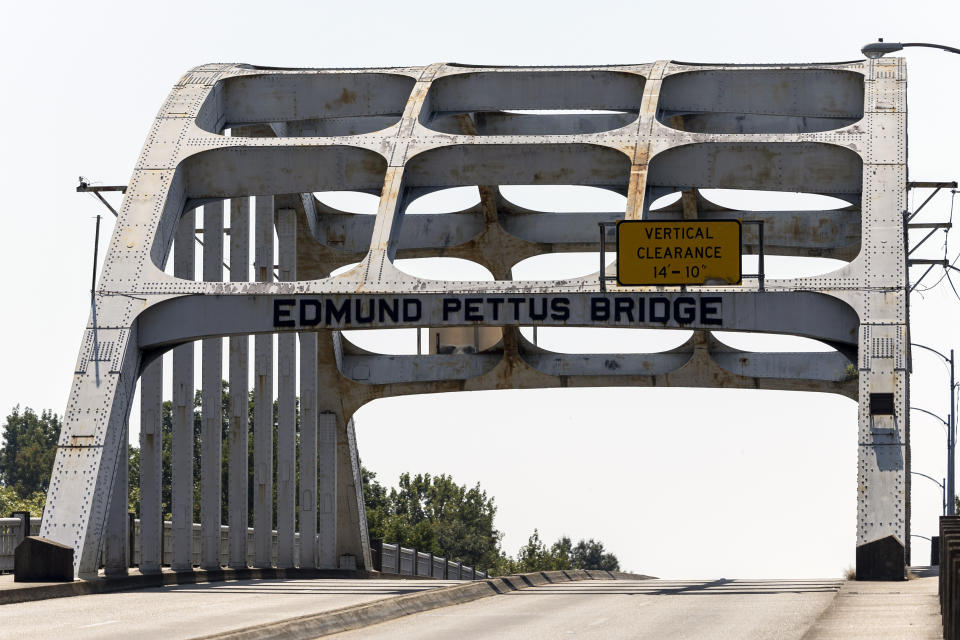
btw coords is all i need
(97, 624)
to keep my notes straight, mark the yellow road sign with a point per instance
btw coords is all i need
(674, 252)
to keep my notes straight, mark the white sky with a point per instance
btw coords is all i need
(676, 482)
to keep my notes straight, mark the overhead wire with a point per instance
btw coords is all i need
(946, 250)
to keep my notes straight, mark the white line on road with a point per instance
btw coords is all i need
(97, 624)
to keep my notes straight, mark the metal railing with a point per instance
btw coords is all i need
(167, 545)
(11, 534)
(388, 558)
(397, 560)
(950, 576)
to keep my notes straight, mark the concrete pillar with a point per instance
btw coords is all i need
(151, 466)
(182, 445)
(211, 434)
(351, 522)
(237, 477)
(882, 455)
(308, 450)
(287, 401)
(115, 543)
(327, 489)
(263, 397)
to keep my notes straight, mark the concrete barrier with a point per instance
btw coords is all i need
(355, 617)
(37, 559)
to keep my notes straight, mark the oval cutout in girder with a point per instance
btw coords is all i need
(748, 101)
(567, 198)
(758, 200)
(785, 267)
(606, 340)
(385, 341)
(307, 104)
(665, 201)
(747, 341)
(449, 200)
(559, 266)
(350, 201)
(525, 102)
(440, 268)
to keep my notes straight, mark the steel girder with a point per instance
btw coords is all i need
(400, 133)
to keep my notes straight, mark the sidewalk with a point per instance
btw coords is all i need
(883, 611)
(13, 592)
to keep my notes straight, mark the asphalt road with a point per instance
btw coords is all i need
(654, 609)
(188, 611)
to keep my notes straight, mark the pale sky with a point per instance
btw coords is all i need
(676, 482)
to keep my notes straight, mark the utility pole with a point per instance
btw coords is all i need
(951, 444)
(951, 424)
(93, 279)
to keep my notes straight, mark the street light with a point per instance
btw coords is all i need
(951, 429)
(880, 48)
(943, 489)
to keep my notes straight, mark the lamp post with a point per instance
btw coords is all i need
(943, 489)
(880, 48)
(951, 430)
(931, 413)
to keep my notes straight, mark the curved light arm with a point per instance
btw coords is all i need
(917, 535)
(943, 489)
(917, 473)
(914, 344)
(931, 413)
(881, 48)
(931, 46)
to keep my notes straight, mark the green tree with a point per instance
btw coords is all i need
(133, 456)
(10, 501)
(533, 556)
(562, 555)
(590, 554)
(376, 501)
(435, 514)
(536, 556)
(29, 448)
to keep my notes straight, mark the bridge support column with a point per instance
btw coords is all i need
(287, 400)
(151, 467)
(351, 516)
(327, 489)
(116, 540)
(237, 477)
(211, 453)
(263, 397)
(308, 450)
(883, 462)
(182, 445)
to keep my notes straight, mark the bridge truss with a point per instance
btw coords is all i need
(642, 131)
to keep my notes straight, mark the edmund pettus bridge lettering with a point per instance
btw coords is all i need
(367, 311)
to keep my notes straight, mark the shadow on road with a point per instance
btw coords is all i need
(722, 586)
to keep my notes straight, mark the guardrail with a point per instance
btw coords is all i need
(397, 560)
(950, 576)
(388, 558)
(12, 533)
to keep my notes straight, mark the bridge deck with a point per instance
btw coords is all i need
(714, 609)
(189, 611)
